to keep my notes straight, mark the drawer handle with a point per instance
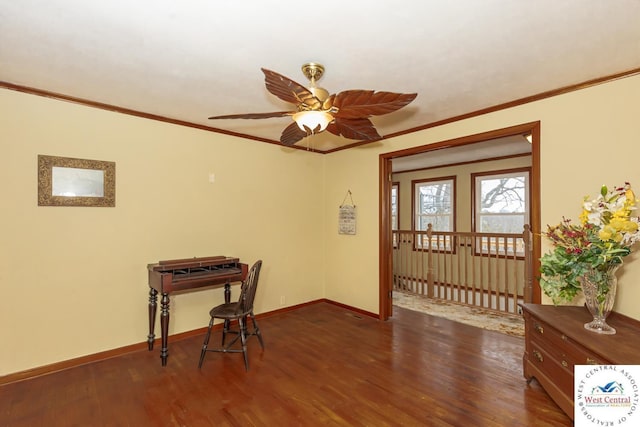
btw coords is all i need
(538, 356)
(565, 364)
(591, 361)
(539, 328)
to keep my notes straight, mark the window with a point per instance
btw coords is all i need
(395, 212)
(434, 203)
(501, 205)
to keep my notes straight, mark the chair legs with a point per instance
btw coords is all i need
(242, 333)
(205, 344)
(243, 339)
(256, 330)
(225, 330)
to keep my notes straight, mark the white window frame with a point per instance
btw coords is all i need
(421, 219)
(395, 212)
(502, 246)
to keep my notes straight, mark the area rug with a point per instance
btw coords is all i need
(478, 317)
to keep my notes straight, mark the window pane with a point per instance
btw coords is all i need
(435, 199)
(394, 207)
(501, 223)
(502, 206)
(434, 204)
(439, 223)
(503, 195)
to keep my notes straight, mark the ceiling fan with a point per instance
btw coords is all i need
(343, 114)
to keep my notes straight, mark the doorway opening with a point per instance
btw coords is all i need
(497, 145)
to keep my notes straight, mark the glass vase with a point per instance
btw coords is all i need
(599, 288)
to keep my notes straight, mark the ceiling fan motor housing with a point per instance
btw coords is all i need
(313, 71)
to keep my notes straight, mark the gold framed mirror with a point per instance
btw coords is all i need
(65, 181)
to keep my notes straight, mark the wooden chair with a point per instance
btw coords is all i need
(239, 311)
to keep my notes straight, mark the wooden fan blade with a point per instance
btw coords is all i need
(254, 115)
(292, 134)
(289, 91)
(354, 104)
(360, 129)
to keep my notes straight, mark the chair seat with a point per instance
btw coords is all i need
(226, 311)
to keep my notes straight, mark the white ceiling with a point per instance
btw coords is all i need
(188, 60)
(491, 149)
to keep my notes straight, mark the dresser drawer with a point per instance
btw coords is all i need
(553, 368)
(568, 352)
(577, 355)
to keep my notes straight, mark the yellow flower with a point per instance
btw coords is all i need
(621, 213)
(608, 232)
(584, 216)
(630, 227)
(631, 198)
(617, 223)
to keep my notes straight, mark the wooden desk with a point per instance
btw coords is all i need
(178, 275)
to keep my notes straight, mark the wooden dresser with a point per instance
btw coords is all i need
(556, 340)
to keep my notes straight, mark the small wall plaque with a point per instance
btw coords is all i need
(347, 216)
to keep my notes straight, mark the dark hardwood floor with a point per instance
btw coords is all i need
(323, 366)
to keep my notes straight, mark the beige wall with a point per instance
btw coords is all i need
(74, 280)
(588, 138)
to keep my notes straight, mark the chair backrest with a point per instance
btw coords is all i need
(248, 290)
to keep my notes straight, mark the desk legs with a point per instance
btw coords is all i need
(227, 300)
(227, 293)
(153, 304)
(164, 323)
(164, 319)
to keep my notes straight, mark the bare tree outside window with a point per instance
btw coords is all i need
(434, 204)
(502, 205)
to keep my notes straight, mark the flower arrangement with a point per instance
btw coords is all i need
(604, 236)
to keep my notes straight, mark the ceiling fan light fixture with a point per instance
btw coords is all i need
(344, 114)
(312, 120)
